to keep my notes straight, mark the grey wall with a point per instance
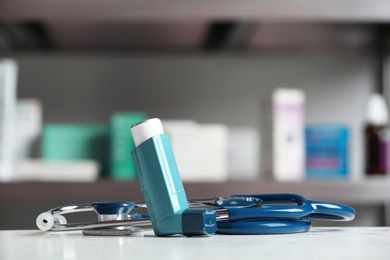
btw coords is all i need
(225, 88)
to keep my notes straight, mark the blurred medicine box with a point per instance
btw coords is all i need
(122, 144)
(74, 142)
(326, 151)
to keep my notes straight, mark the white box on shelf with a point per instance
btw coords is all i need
(28, 126)
(8, 86)
(244, 153)
(288, 135)
(201, 150)
(69, 171)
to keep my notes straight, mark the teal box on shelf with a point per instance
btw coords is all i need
(74, 142)
(121, 143)
(327, 151)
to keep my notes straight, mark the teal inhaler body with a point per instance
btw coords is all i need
(163, 189)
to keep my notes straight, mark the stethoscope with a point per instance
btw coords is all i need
(241, 214)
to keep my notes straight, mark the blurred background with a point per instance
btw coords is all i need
(257, 96)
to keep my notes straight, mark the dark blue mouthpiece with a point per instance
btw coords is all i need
(198, 222)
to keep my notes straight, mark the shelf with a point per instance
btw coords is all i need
(334, 10)
(24, 201)
(373, 192)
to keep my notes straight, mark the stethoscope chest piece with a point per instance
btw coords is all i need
(115, 231)
(114, 211)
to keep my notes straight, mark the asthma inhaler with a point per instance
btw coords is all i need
(162, 187)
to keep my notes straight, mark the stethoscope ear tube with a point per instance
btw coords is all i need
(279, 206)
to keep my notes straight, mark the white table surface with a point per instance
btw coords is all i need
(319, 243)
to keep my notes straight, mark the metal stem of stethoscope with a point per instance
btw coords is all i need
(71, 209)
(103, 224)
(222, 214)
(215, 201)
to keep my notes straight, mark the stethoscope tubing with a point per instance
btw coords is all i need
(281, 219)
(289, 213)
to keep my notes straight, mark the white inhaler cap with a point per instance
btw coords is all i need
(146, 129)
